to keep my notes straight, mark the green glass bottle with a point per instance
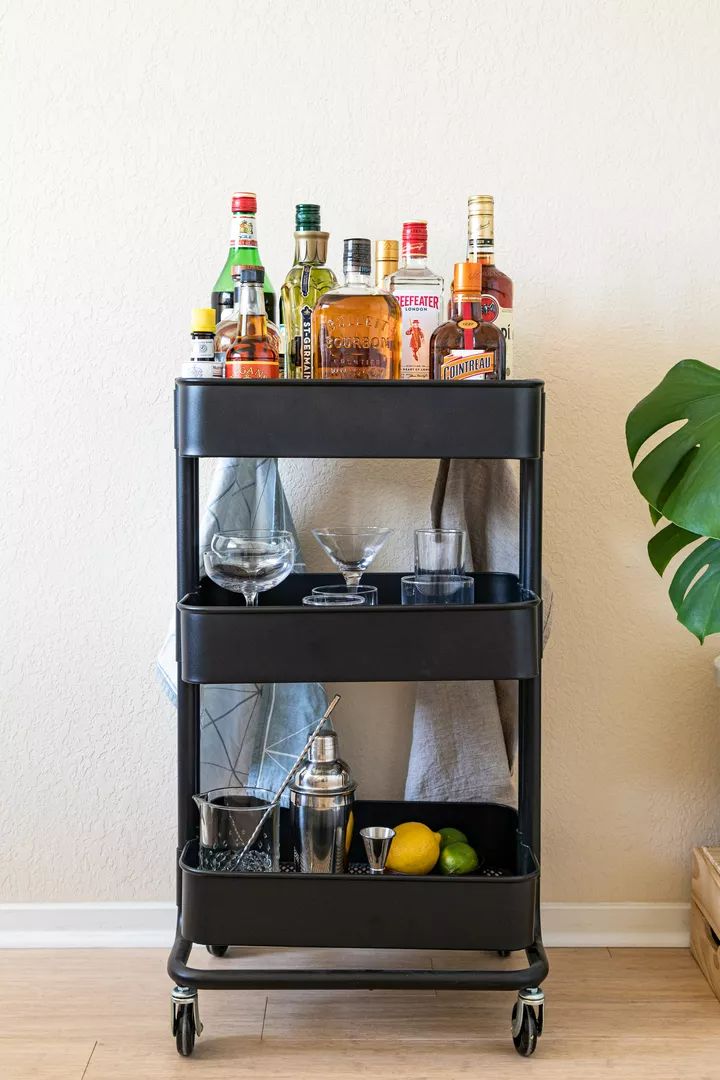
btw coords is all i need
(243, 249)
(307, 280)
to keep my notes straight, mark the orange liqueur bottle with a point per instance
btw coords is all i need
(466, 347)
(253, 355)
(357, 326)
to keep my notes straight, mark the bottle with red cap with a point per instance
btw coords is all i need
(419, 291)
(243, 250)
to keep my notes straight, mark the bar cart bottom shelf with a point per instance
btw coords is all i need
(493, 909)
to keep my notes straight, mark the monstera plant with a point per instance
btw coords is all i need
(680, 479)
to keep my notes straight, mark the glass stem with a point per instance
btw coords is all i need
(352, 579)
(251, 599)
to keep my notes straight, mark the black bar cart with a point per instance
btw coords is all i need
(497, 637)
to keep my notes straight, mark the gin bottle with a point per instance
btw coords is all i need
(308, 279)
(419, 292)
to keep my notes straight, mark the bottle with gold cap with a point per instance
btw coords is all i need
(386, 260)
(467, 346)
(497, 298)
(201, 364)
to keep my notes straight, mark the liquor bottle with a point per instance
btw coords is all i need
(202, 364)
(252, 355)
(243, 249)
(467, 346)
(497, 287)
(386, 260)
(419, 292)
(227, 330)
(357, 326)
(308, 279)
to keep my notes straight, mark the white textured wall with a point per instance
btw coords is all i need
(128, 125)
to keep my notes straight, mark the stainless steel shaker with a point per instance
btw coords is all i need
(321, 809)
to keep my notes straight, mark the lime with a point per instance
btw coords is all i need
(458, 859)
(451, 836)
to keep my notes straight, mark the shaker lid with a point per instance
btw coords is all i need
(324, 773)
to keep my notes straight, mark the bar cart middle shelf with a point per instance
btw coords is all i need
(498, 637)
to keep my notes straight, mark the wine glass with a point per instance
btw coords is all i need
(352, 550)
(250, 562)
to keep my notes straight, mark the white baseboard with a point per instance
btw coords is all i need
(152, 925)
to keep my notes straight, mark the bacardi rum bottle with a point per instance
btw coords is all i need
(243, 250)
(419, 292)
(467, 346)
(497, 288)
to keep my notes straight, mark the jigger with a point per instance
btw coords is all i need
(377, 845)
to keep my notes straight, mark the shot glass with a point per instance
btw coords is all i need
(369, 593)
(437, 589)
(439, 551)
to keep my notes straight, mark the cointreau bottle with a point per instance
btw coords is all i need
(244, 250)
(418, 290)
(497, 287)
(308, 279)
(468, 347)
(357, 327)
(252, 355)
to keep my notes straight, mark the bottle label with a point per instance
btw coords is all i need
(203, 369)
(202, 349)
(306, 357)
(420, 316)
(468, 364)
(492, 312)
(243, 232)
(252, 369)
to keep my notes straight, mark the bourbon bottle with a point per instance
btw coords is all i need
(252, 355)
(357, 326)
(497, 288)
(468, 347)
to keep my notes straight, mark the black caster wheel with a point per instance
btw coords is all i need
(185, 1030)
(217, 950)
(525, 1041)
(503, 953)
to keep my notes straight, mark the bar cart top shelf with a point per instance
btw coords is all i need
(328, 418)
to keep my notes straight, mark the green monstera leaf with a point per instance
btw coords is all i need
(680, 479)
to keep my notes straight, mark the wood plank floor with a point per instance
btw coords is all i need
(104, 1015)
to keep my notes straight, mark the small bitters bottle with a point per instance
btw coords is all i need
(201, 364)
(252, 355)
(466, 347)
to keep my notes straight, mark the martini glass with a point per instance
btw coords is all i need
(352, 550)
(250, 562)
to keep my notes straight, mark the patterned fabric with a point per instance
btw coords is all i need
(250, 733)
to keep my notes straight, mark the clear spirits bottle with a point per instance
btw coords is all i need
(308, 279)
(357, 327)
(227, 331)
(419, 292)
(466, 346)
(252, 355)
(243, 249)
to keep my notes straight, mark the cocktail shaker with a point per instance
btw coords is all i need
(321, 809)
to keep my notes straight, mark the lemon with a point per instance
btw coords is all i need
(414, 849)
(451, 836)
(458, 859)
